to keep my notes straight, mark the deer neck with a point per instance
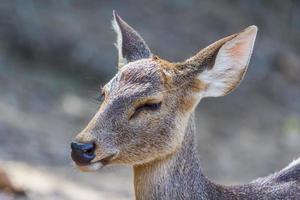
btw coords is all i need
(178, 176)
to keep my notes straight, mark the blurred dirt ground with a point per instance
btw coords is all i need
(55, 55)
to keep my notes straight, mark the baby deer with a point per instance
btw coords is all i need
(146, 120)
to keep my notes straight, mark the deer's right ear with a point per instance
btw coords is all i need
(131, 46)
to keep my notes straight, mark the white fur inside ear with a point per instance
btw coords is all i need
(121, 60)
(230, 64)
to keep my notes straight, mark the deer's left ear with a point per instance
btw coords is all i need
(131, 46)
(221, 66)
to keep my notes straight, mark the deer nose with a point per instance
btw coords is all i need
(83, 153)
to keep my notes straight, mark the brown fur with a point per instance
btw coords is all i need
(187, 104)
(164, 63)
(198, 86)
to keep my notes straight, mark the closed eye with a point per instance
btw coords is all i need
(146, 107)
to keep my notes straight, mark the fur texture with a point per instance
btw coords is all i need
(147, 120)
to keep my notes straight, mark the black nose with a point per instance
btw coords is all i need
(83, 153)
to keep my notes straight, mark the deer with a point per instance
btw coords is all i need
(146, 121)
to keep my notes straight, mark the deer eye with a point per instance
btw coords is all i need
(146, 106)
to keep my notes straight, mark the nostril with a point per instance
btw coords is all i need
(89, 151)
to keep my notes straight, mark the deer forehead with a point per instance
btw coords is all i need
(142, 76)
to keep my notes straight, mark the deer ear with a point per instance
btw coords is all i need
(221, 66)
(131, 46)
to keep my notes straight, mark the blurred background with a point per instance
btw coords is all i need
(55, 55)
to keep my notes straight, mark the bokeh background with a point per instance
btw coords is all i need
(55, 55)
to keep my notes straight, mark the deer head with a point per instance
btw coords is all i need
(148, 102)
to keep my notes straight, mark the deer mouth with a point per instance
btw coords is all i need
(106, 160)
(96, 165)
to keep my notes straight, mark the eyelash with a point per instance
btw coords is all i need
(100, 98)
(147, 106)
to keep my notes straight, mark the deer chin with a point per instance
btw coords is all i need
(91, 167)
